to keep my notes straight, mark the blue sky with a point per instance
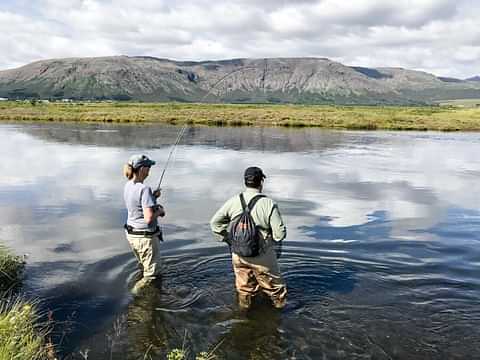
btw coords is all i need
(438, 36)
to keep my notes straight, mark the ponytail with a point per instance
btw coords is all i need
(128, 171)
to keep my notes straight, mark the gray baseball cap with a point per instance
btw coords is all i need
(137, 161)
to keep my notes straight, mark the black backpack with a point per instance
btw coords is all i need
(243, 233)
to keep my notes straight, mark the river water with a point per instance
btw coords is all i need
(382, 259)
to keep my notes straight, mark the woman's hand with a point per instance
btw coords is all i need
(160, 211)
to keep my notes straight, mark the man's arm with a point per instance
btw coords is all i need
(219, 222)
(279, 230)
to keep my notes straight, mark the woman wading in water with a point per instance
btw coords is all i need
(142, 230)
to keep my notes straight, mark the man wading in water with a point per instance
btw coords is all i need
(142, 230)
(254, 256)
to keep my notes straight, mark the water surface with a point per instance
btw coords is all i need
(381, 261)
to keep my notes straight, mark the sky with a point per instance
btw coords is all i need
(437, 36)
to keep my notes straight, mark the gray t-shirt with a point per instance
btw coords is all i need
(137, 197)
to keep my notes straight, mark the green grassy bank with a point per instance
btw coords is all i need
(444, 118)
(11, 269)
(20, 335)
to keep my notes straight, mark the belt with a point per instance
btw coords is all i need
(130, 230)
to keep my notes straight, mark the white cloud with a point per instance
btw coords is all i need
(435, 36)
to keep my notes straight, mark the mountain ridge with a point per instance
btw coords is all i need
(242, 80)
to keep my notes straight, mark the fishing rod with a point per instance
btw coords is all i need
(177, 141)
(184, 127)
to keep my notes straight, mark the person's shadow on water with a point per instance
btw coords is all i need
(150, 333)
(255, 334)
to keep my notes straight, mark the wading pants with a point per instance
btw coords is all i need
(260, 273)
(146, 250)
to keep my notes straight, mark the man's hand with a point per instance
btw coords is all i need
(223, 236)
(226, 238)
(157, 193)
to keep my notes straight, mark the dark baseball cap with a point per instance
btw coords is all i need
(137, 161)
(253, 173)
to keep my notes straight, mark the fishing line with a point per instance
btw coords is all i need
(177, 141)
(184, 127)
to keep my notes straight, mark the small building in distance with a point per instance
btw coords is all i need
(3, 99)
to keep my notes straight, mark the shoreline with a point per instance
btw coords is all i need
(410, 118)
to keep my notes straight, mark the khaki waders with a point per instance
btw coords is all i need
(260, 274)
(146, 250)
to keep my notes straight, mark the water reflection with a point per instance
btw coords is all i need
(381, 259)
(152, 137)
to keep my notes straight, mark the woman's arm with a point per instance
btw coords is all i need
(149, 205)
(151, 213)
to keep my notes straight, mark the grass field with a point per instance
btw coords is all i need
(444, 118)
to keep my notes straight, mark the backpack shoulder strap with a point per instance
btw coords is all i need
(242, 200)
(254, 200)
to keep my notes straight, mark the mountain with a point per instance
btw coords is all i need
(275, 80)
(474, 78)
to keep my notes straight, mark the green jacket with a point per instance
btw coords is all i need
(265, 213)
